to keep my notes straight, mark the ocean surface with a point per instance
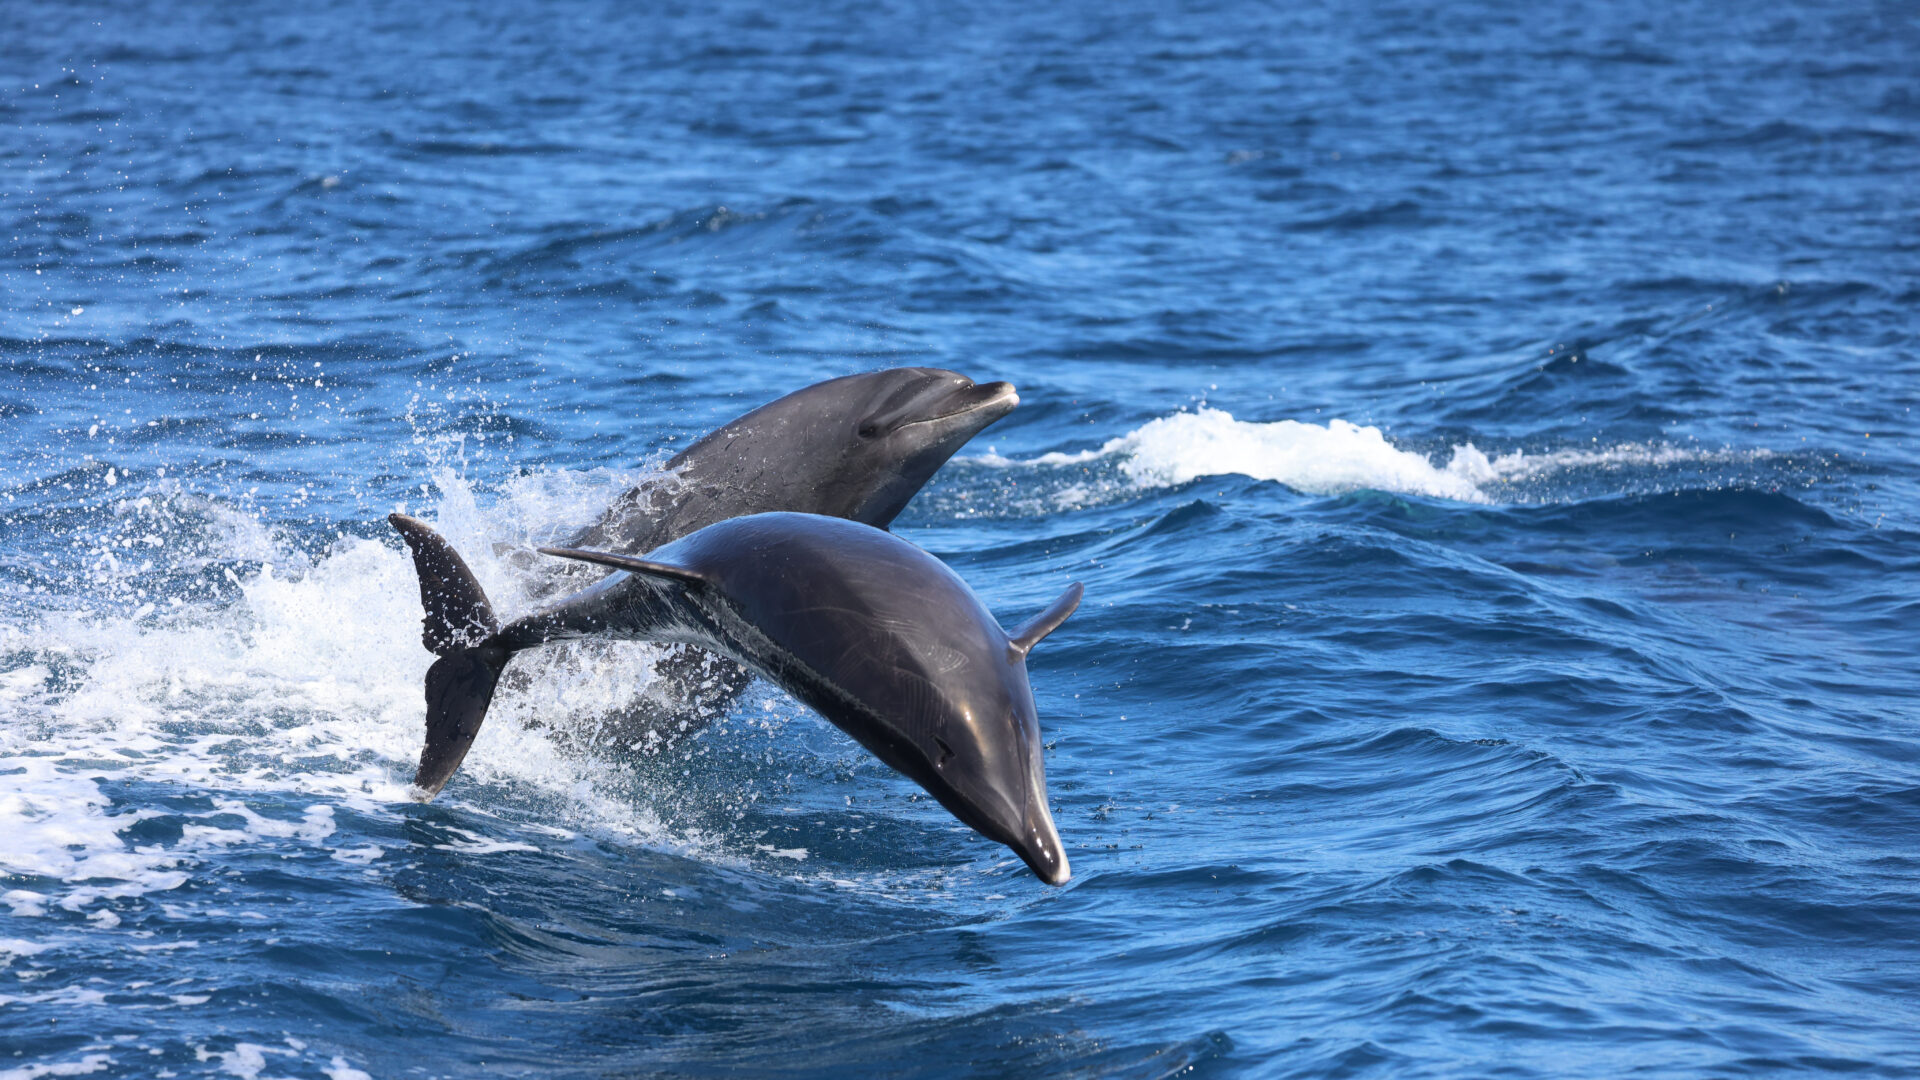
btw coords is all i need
(1485, 433)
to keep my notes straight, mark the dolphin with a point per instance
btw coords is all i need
(858, 447)
(874, 634)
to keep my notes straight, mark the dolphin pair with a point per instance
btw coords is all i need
(857, 447)
(880, 638)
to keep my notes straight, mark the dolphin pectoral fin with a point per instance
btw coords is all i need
(627, 562)
(1024, 639)
(457, 613)
(459, 689)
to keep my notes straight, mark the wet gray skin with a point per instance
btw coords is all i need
(857, 447)
(879, 637)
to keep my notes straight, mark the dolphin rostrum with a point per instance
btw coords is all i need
(874, 634)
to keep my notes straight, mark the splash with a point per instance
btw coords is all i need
(300, 676)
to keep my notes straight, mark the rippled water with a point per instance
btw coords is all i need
(1485, 435)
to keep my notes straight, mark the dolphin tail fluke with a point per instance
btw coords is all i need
(457, 624)
(458, 615)
(459, 689)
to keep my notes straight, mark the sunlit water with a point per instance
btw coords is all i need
(1485, 435)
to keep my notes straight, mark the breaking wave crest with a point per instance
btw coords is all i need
(1337, 458)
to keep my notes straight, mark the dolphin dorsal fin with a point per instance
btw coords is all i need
(1030, 633)
(648, 567)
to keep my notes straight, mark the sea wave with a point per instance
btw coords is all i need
(1341, 456)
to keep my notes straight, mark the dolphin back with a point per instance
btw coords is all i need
(848, 599)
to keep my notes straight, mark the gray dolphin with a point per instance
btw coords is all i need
(858, 447)
(876, 635)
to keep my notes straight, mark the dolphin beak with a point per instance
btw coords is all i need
(973, 406)
(1039, 845)
(993, 401)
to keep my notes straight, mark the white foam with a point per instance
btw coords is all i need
(25, 905)
(65, 995)
(245, 1060)
(12, 947)
(1338, 457)
(472, 844)
(91, 1063)
(1330, 459)
(304, 679)
(1471, 463)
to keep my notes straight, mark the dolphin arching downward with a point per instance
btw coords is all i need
(876, 635)
(857, 446)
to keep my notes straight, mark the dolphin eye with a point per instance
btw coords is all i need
(868, 431)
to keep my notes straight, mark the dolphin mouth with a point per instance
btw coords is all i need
(993, 400)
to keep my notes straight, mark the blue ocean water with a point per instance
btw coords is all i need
(1484, 432)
